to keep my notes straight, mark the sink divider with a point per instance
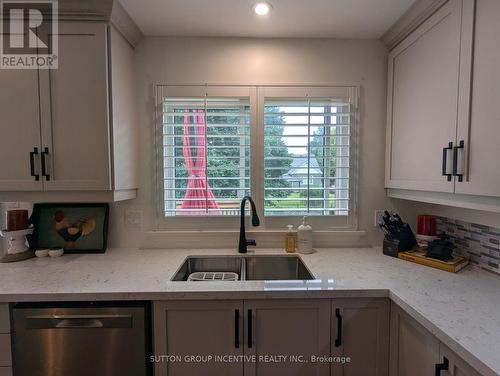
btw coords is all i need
(243, 269)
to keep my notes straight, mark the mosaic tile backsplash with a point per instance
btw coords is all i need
(480, 243)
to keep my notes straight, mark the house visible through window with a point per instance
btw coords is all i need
(306, 157)
(292, 153)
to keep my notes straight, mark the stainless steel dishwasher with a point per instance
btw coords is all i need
(81, 339)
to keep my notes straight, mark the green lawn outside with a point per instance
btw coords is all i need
(299, 204)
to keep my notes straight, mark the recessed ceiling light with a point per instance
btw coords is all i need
(262, 8)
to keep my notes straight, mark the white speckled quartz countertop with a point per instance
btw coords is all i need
(462, 310)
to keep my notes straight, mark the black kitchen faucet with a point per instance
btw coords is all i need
(242, 247)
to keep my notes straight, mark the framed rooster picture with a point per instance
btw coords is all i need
(78, 228)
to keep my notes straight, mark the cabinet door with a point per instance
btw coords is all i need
(456, 366)
(19, 130)
(75, 110)
(4, 318)
(184, 329)
(481, 141)
(422, 102)
(360, 332)
(413, 350)
(5, 371)
(284, 334)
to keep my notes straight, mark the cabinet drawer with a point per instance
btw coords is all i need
(4, 319)
(5, 355)
(6, 371)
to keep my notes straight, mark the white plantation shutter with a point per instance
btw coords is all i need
(219, 126)
(294, 149)
(307, 154)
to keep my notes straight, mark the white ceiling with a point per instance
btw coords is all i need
(289, 18)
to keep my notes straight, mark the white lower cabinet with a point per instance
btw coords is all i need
(414, 351)
(6, 371)
(360, 332)
(5, 347)
(297, 337)
(199, 329)
(252, 337)
(274, 337)
(5, 351)
(284, 335)
(4, 318)
(454, 364)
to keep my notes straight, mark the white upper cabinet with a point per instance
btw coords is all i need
(75, 111)
(443, 120)
(19, 131)
(423, 96)
(61, 138)
(481, 167)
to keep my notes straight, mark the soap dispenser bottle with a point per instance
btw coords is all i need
(305, 237)
(290, 240)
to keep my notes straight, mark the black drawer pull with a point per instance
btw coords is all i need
(45, 152)
(32, 164)
(237, 328)
(442, 366)
(460, 176)
(338, 340)
(250, 335)
(445, 161)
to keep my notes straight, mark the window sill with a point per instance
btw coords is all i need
(211, 239)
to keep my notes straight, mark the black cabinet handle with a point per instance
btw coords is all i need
(442, 366)
(460, 176)
(237, 328)
(45, 152)
(338, 340)
(250, 339)
(32, 164)
(445, 161)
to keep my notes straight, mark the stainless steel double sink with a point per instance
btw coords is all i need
(248, 267)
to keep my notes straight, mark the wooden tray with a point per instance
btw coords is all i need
(454, 265)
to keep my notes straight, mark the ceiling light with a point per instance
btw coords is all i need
(262, 8)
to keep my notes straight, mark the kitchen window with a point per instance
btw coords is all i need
(293, 149)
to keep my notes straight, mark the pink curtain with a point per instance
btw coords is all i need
(199, 196)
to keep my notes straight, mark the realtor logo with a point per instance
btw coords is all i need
(28, 34)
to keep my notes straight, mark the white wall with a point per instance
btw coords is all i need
(262, 61)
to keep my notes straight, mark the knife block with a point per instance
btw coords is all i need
(391, 247)
(405, 242)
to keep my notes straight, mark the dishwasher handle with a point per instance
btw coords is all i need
(78, 321)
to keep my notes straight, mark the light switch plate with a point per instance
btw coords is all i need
(378, 217)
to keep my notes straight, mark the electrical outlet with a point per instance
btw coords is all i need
(133, 218)
(378, 217)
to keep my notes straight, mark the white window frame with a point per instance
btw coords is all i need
(257, 95)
